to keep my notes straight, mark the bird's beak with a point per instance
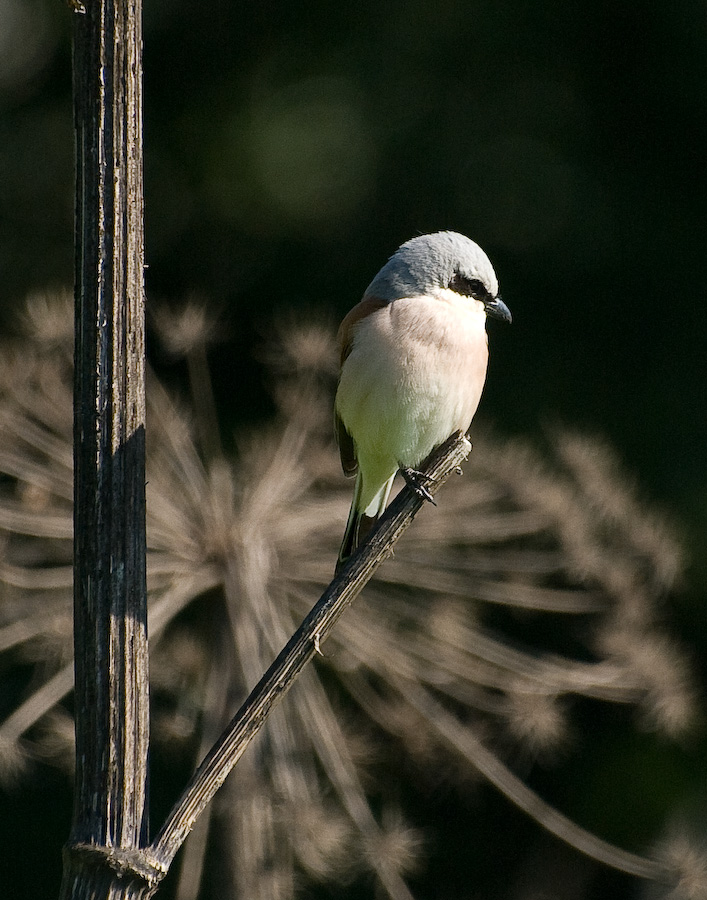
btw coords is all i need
(497, 309)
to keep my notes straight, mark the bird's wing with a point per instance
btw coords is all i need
(346, 330)
(368, 305)
(347, 451)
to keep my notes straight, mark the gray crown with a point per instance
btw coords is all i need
(427, 263)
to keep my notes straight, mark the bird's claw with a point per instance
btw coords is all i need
(414, 479)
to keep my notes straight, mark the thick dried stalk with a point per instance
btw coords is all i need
(110, 606)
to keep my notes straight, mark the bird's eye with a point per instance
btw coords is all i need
(468, 287)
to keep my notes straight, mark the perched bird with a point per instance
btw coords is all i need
(413, 364)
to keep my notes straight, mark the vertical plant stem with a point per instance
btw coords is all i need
(110, 608)
(204, 404)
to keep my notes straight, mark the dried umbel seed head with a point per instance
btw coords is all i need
(239, 550)
(188, 328)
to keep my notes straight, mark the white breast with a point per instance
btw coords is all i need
(414, 375)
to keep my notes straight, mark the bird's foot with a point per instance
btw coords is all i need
(415, 479)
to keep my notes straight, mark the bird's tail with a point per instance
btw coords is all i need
(361, 522)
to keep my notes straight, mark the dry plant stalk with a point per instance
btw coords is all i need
(238, 551)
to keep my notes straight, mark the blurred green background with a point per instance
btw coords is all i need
(290, 148)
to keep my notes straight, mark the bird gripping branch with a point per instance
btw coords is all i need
(414, 354)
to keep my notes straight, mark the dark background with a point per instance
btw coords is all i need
(290, 148)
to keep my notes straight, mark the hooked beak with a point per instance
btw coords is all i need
(497, 309)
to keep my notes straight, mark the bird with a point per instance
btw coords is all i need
(413, 360)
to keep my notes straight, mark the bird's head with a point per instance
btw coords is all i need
(435, 263)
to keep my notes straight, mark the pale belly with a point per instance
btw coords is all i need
(414, 375)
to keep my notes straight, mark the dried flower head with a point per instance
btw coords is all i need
(191, 327)
(685, 856)
(238, 551)
(536, 719)
(49, 319)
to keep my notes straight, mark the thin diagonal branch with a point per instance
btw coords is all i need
(296, 654)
